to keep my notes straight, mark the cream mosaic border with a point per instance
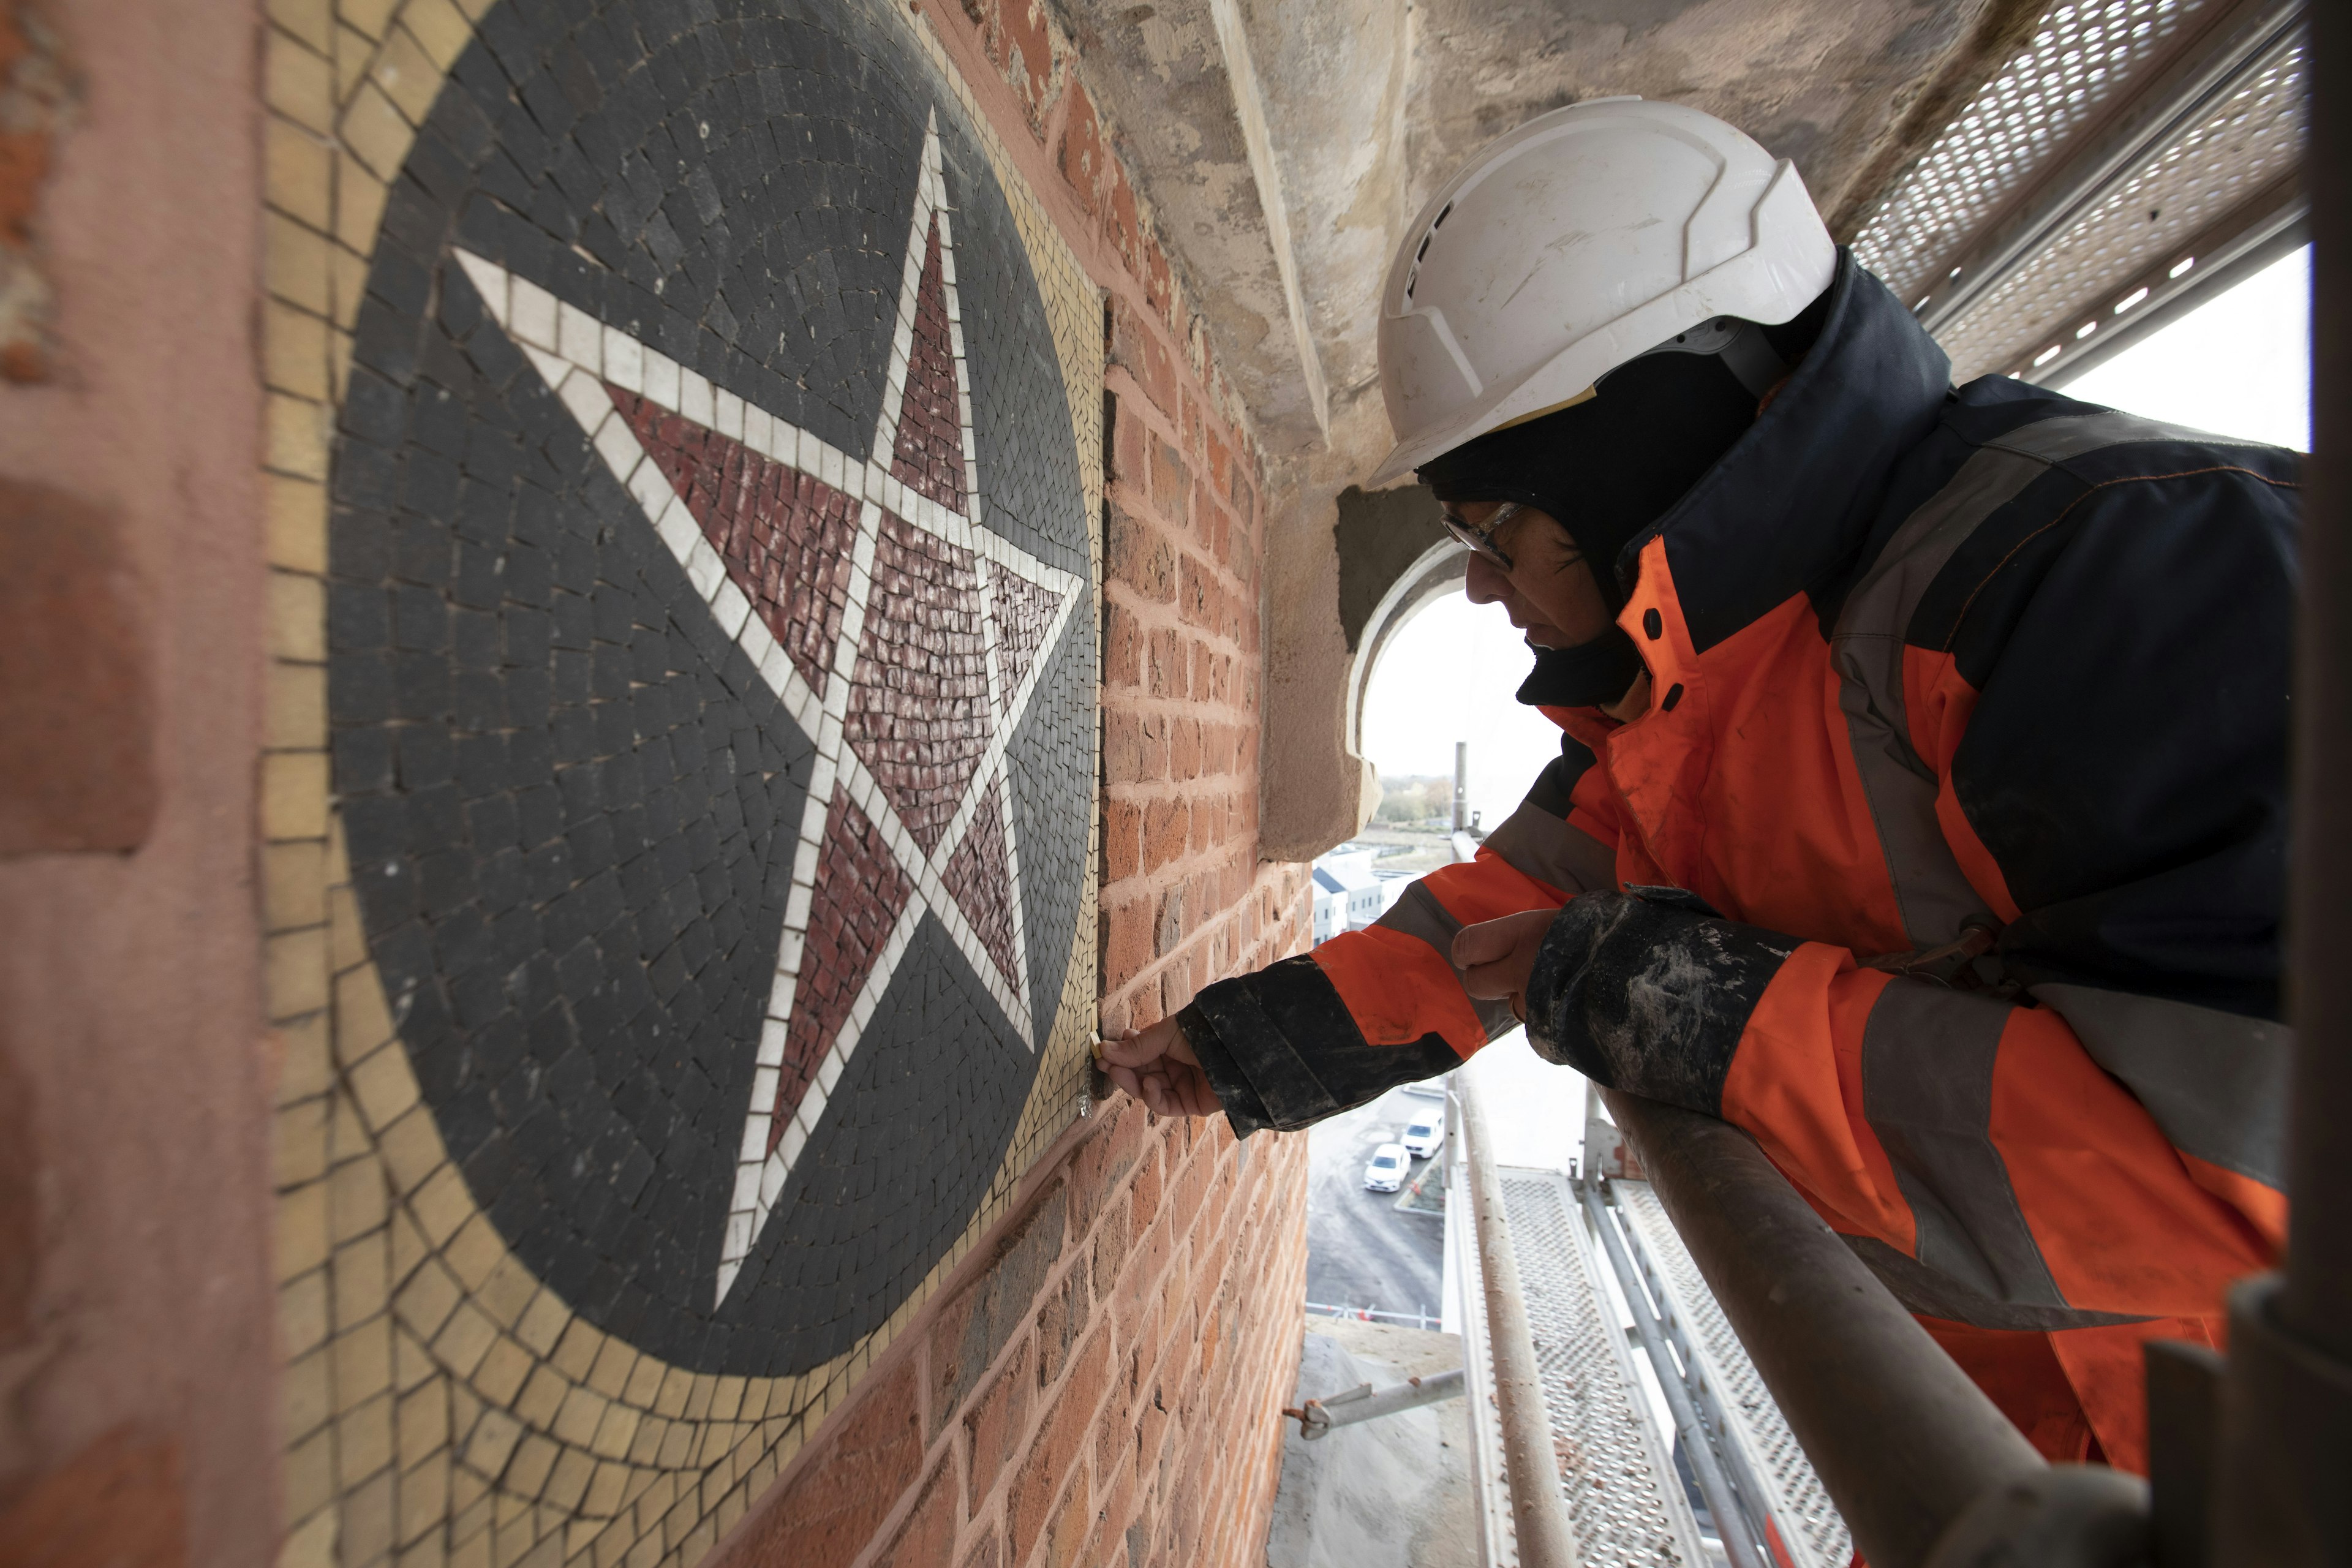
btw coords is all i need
(439, 1404)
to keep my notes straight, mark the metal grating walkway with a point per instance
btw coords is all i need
(1623, 1503)
(2137, 156)
(1811, 1533)
(1610, 1458)
(1626, 1506)
(2086, 54)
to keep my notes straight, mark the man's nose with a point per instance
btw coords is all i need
(1486, 583)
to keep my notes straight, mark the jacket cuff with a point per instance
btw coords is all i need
(1243, 1110)
(1647, 998)
(1281, 1050)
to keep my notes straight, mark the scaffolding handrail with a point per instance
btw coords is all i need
(1539, 1514)
(1423, 1320)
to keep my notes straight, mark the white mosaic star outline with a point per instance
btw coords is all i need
(578, 355)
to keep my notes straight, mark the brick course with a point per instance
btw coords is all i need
(1184, 897)
(1145, 1433)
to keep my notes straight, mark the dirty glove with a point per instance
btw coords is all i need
(1649, 990)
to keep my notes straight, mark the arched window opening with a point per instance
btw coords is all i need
(1438, 672)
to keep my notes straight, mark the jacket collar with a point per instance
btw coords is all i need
(1786, 510)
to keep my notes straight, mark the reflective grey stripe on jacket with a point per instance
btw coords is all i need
(2215, 1082)
(1927, 1057)
(1531, 840)
(1535, 841)
(1417, 913)
(1867, 648)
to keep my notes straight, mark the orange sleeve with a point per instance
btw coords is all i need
(1397, 978)
(1796, 1084)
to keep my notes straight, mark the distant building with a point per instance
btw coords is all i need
(1346, 874)
(1330, 912)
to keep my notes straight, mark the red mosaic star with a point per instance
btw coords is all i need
(903, 637)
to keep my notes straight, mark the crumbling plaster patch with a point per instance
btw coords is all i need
(1186, 108)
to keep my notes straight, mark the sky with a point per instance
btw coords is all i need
(1447, 675)
(2238, 366)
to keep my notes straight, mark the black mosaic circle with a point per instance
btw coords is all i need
(571, 800)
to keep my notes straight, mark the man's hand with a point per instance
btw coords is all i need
(1497, 957)
(1157, 1067)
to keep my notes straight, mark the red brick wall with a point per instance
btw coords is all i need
(1101, 1386)
(1101, 1383)
(1185, 898)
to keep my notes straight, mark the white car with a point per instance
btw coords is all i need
(1390, 1164)
(1426, 1137)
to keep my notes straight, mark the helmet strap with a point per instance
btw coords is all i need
(1742, 347)
(1750, 357)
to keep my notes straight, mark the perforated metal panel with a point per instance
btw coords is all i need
(2065, 208)
(1624, 1504)
(2248, 142)
(1811, 1531)
(1612, 1457)
(2085, 55)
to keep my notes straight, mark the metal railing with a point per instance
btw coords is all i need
(1735, 1499)
(1922, 1466)
(1369, 1314)
(1319, 1418)
(1538, 1518)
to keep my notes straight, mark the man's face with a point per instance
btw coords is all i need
(1550, 592)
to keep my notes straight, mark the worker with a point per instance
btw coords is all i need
(1920, 806)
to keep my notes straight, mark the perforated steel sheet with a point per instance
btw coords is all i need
(1624, 1505)
(2085, 55)
(2233, 153)
(1811, 1531)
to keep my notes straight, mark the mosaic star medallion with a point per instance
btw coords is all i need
(901, 636)
(711, 665)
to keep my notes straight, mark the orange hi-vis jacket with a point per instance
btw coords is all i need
(1947, 861)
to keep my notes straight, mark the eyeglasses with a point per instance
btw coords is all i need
(1480, 536)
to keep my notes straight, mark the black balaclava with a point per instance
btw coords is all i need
(1607, 468)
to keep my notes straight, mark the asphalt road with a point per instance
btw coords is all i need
(1361, 1251)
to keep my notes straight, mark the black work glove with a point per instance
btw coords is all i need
(1649, 990)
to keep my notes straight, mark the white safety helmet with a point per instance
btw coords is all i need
(1585, 239)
